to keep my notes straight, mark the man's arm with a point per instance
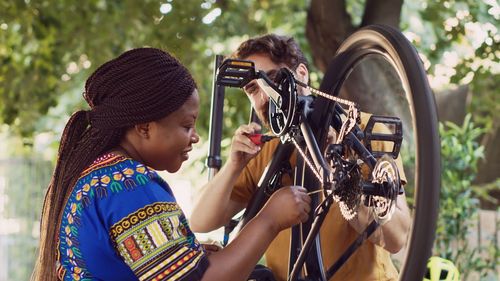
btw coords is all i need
(392, 235)
(215, 207)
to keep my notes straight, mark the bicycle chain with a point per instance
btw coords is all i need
(348, 209)
(383, 208)
(330, 97)
(308, 161)
(353, 115)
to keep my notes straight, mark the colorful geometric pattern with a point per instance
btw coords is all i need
(143, 237)
(153, 242)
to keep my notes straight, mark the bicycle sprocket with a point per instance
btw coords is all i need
(386, 173)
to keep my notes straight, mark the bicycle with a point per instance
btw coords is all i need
(333, 168)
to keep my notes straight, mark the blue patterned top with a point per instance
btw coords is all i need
(121, 222)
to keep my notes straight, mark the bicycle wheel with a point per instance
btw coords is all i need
(378, 69)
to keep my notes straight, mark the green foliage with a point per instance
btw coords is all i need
(463, 35)
(21, 252)
(460, 154)
(46, 46)
(485, 105)
(41, 40)
(484, 191)
(449, 22)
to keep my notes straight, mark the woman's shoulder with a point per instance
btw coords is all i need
(112, 174)
(114, 164)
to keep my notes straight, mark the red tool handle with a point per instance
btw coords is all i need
(259, 139)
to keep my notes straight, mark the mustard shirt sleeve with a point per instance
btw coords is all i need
(244, 187)
(247, 182)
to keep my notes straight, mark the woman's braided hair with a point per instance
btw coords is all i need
(139, 86)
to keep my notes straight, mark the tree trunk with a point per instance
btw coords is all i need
(328, 24)
(489, 167)
(451, 104)
(386, 12)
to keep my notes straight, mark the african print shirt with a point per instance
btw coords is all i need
(121, 222)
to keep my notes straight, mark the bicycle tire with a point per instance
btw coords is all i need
(390, 44)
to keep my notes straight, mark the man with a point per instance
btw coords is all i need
(225, 196)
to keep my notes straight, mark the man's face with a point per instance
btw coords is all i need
(259, 100)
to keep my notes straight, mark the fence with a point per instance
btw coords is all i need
(22, 186)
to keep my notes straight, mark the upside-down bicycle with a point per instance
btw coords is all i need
(406, 107)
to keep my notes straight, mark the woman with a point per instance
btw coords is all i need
(108, 215)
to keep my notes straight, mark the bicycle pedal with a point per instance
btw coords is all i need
(235, 73)
(394, 135)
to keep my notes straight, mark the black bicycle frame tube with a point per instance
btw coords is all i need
(319, 161)
(361, 150)
(314, 263)
(282, 153)
(214, 161)
(296, 231)
(312, 225)
(318, 221)
(351, 138)
(312, 146)
(351, 249)
(313, 234)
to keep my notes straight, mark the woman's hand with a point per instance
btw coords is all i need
(287, 207)
(242, 148)
(211, 248)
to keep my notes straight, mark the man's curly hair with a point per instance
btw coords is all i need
(281, 49)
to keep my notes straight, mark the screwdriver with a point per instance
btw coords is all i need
(259, 139)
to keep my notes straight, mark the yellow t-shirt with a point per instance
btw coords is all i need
(369, 261)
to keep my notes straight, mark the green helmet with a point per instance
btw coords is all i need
(439, 269)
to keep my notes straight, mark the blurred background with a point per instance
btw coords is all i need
(49, 47)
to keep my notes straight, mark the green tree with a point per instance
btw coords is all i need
(47, 48)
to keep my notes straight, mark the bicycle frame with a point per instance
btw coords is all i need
(322, 210)
(301, 133)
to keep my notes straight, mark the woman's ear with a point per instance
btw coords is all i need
(302, 73)
(142, 130)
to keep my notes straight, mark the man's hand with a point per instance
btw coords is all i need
(242, 147)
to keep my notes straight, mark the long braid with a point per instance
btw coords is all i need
(141, 85)
(54, 197)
